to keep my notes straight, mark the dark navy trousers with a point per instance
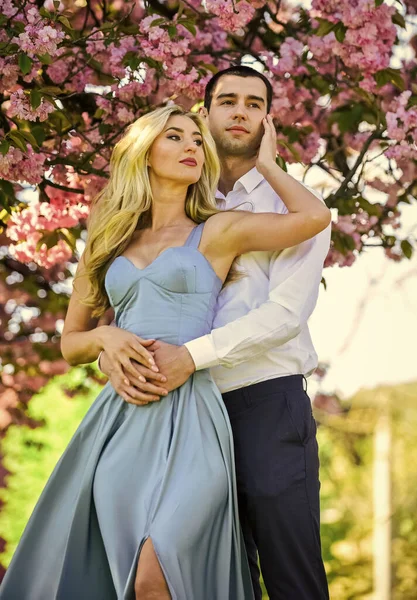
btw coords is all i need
(277, 469)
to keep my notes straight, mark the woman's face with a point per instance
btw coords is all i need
(177, 153)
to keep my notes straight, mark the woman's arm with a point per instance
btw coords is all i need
(82, 340)
(242, 231)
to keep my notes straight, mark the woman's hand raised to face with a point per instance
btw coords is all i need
(268, 149)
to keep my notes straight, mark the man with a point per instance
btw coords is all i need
(259, 352)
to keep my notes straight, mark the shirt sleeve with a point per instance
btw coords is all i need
(295, 276)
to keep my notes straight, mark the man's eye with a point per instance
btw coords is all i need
(227, 102)
(254, 104)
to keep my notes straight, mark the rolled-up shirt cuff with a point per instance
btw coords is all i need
(203, 352)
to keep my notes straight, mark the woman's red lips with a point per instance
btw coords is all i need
(189, 161)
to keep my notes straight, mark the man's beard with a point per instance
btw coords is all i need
(237, 147)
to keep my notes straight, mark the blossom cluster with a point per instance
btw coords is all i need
(38, 38)
(111, 79)
(232, 16)
(22, 167)
(369, 37)
(27, 228)
(20, 107)
(402, 127)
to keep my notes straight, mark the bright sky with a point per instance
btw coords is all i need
(365, 324)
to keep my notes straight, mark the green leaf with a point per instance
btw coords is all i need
(172, 31)
(189, 25)
(389, 75)
(98, 114)
(45, 13)
(157, 22)
(131, 29)
(412, 101)
(379, 2)
(38, 133)
(25, 63)
(50, 90)
(407, 249)
(7, 187)
(68, 28)
(29, 137)
(207, 67)
(46, 59)
(390, 240)
(105, 128)
(281, 162)
(325, 27)
(132, 59)
(68, 236)
(340, 32)
(4, 146)
(18, 26)
(347, 117)
(107, 25)
(398, 19)
(323, 281)
(35, 99)
(291, 148)
(51, 239)
(18, 140)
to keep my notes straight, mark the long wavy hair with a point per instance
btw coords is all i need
(125, 203)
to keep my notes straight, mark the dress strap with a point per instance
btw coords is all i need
(194, 238)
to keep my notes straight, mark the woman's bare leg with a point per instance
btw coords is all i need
(150, 582)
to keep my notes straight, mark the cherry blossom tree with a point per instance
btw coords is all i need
(75, 74)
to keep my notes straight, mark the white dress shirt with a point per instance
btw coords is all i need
(260, 327)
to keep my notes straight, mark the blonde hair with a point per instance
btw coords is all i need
(125, 203)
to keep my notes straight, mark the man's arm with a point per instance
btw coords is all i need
(294, 285)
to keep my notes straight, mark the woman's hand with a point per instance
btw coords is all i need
(121, 347)
(141, 388)
(268, 149)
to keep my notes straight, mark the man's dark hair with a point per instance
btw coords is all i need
(239, 71)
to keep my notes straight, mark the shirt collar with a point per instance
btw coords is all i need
(249, 181)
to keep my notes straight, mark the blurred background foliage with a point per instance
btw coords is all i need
(346, 452)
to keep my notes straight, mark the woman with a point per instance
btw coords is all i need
(143, 502)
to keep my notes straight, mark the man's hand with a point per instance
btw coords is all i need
(138, 386)
(174, 362)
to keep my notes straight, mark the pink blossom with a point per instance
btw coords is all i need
(335, 257)
(7, 8)
(369, 38)
(393, 254)
(59, 70)
(21, 108)
(232, 16)
(9, 73)
(38, 38)
(125, 115)
(25, 230)
(290, 51)
(16, 166)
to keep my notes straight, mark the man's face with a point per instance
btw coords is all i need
(235, 118)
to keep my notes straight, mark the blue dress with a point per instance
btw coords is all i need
(164, 470)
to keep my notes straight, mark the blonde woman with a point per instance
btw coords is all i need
(143, 502)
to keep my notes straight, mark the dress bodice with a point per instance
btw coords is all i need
(171, 299)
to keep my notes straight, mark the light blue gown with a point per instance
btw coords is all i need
(164, 470)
